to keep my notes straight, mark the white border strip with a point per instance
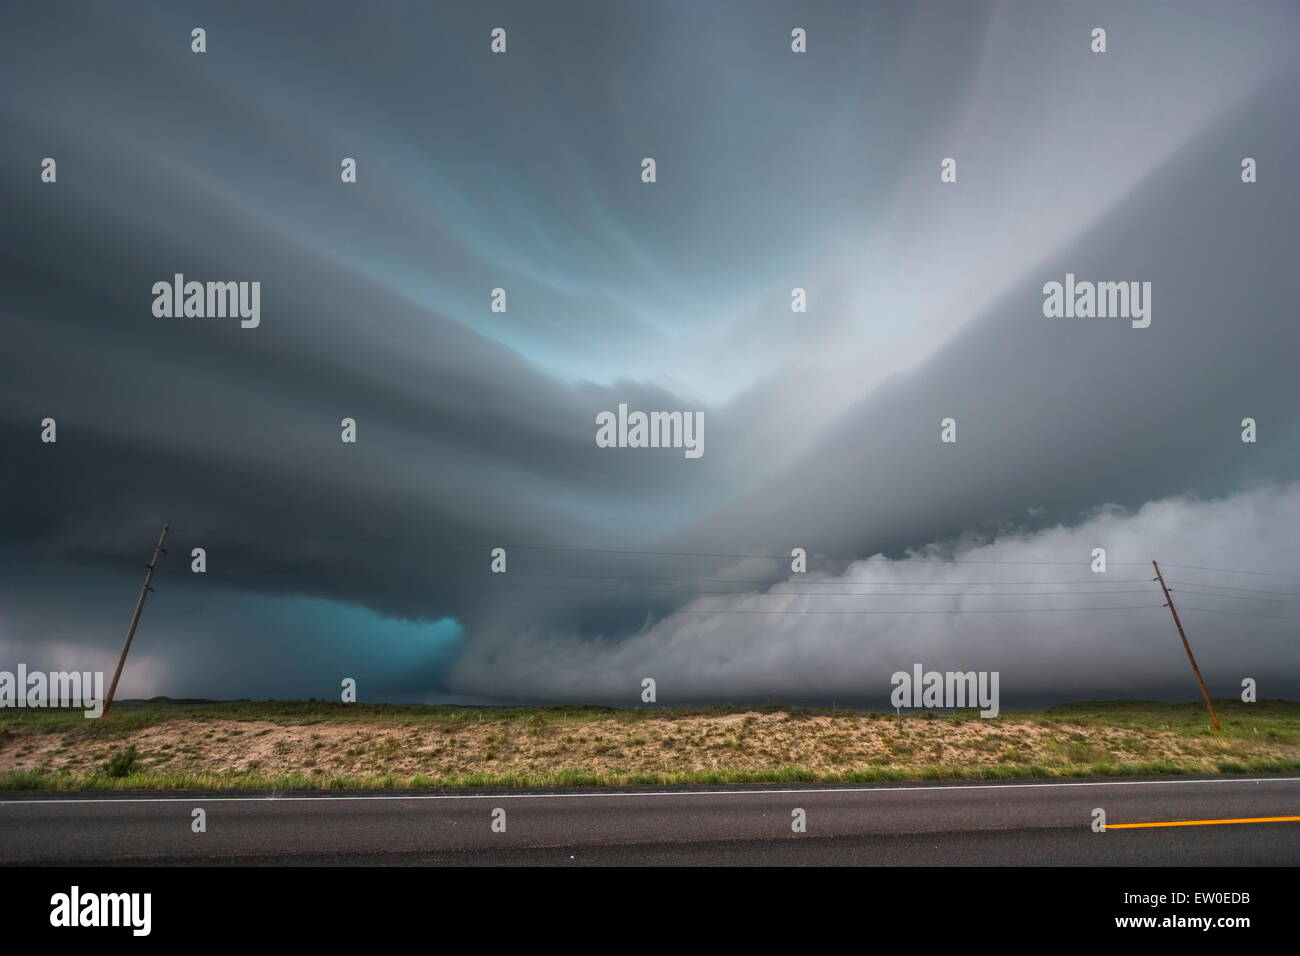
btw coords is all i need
(199, 795)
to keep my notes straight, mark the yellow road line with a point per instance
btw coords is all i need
(1198, 823)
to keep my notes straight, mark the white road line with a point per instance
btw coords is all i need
(182, 797)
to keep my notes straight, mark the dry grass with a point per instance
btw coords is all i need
(535, 744)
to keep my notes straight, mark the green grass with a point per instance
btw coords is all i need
(33, 780)
(122, 763)
(1273, 720)
(133, 715)
(1188, 717)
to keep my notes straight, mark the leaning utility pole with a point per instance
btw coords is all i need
(1187, 647)
(135, 618)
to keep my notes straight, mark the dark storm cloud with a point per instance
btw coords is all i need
(476, 429)
(1062, 414)
(1053, 417)
(1061, 632)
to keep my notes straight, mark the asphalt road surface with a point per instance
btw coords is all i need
(1047, 823)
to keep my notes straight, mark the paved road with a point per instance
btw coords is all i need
(950, 825)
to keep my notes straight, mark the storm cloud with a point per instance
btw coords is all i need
(476, 429)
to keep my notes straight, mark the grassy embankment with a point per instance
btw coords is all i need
(315, 745)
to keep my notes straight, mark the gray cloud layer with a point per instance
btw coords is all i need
(477, 429)
(833, 633)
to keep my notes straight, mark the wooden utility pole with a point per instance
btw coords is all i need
(135, 618)
(1187, 647)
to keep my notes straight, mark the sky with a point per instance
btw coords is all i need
(476, 429)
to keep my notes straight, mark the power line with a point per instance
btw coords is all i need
(1270, 617)
(786, 557)
(1193, 567)
(800, 580)
(1231, 597)
(894, 562)
(1229, 587)
(718, 554)
(1013, 610)
(607, 590)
